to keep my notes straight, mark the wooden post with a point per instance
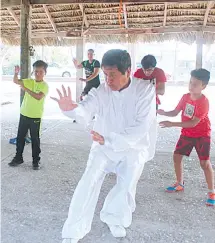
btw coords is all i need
(79, 72)
(132, 52)
(42, 53)
(25, 61)
(199, 51)
(175, 63)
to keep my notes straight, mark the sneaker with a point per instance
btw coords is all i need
(36, 165)
(16, 161)
(211, 199)
(12, 141)
(70, 241)
(175, 188)
(117, 231)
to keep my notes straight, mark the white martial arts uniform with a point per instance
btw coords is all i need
(127, 120)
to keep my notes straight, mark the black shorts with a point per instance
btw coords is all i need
(202, 145)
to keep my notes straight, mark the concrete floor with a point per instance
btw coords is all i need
(35, 203)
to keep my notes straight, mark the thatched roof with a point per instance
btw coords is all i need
(106, 23)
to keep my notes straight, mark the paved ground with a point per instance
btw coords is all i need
(35, 203)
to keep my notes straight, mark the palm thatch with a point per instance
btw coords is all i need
(108, 23)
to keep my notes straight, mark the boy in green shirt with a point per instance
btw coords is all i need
(31, 112)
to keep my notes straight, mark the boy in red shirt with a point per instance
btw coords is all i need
(149, 71)
(196, 131)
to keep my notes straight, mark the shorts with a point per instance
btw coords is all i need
(202, 145)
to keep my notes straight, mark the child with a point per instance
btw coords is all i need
(31, 112)
(196, 131)
(149, 71)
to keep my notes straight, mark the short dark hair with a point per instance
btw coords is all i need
(201, 74)
(40, 63)
(119, 58)
(90, 50)
(149, 61)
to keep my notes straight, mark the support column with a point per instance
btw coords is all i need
(132, 52)
(175, 63)
(25, 61)
(79, 72)
(199, 51)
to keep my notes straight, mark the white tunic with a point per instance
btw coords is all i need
(126, 119)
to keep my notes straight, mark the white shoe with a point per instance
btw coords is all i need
(117, 231)
(70, 241)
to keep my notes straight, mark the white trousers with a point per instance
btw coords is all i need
(120, 202)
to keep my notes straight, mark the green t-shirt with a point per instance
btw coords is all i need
(32, 107)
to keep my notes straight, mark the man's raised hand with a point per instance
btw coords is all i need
(75, 62)
(16, 69)
(65, 99)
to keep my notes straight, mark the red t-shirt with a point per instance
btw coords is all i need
(195, 108)
(158, 74)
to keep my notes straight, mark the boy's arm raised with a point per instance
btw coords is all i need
(16, 80)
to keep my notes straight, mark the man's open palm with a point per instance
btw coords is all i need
(75, 62)
(65, 100)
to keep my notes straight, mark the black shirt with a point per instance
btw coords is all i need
(89, 68)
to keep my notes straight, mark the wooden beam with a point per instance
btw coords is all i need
(102, 1)
(145, 11)
(209, 6)
(125, 15)
(76, 34)
(165, 14)
(86, 31)
(84, 15)
(156, 30)
(50, 18)
(10, 3)
(10, 10)
(115, 14)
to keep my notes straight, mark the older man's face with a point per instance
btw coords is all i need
(115, 79)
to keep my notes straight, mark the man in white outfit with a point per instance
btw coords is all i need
(124, 137)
